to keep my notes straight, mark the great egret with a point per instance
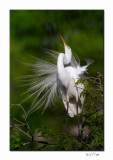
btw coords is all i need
(67, 77)
(47, 78)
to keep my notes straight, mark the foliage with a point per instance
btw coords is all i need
(14, 142)
(43, 138)
(93, 90)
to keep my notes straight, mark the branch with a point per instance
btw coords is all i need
(20, 130)
(16, 120)
(62, 134)
(96, 111)
(25, 118)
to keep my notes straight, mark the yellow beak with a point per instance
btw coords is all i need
(63, 40)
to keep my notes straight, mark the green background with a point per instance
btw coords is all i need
(32, 30)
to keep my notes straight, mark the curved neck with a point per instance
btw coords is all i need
(67, 56)
(62, 73)
(60, 64)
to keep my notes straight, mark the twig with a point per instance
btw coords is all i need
(96, 111)
(25, 118)
(39, 141)
(18, 124)
(85, 143)
(16, 120)
(62, 134)
(21, 131)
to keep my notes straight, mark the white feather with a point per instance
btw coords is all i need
(44, 82)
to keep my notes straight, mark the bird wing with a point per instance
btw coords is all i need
(72, 104)
(64, 99)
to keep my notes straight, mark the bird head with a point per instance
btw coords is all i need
(68, 53)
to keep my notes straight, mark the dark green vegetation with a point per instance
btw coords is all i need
(29, 32)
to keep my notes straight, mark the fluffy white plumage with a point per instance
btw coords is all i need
(47, 78)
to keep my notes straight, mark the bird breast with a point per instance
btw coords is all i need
(64, 79)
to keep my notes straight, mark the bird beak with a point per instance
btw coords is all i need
(63, 40)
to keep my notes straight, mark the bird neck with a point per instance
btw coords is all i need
(60, 64)
(62, 73)
(68, 55)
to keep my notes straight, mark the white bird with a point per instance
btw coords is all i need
(67, 77)
(47, 78)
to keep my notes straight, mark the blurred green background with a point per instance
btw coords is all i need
(31, 30)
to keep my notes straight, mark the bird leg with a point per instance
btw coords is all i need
(78, 122)
(77, 100)
(82, 123)
(66, 118)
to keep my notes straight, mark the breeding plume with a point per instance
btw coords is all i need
(50, 80)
